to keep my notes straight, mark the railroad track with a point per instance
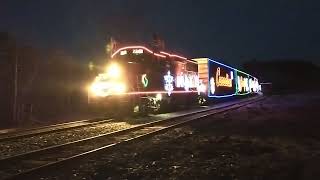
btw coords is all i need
(26, 166)
(52, 128)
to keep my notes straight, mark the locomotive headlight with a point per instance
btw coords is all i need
(114, 71)
(98, 89)
(103, 89)
(109, 83)
(119, 88)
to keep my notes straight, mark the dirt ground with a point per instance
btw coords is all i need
(278, 138)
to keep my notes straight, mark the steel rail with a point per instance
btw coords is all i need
(39, 160)
(53, 128)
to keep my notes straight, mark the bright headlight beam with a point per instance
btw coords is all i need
(119, 88)
(114, 70)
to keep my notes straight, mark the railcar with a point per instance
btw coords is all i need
(144, 80)
(223, 81)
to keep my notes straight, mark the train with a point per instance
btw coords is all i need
(144, 80)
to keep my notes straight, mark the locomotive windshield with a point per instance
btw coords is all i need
(141, 60)
(132, 56)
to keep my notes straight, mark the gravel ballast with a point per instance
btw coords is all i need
(274, 139)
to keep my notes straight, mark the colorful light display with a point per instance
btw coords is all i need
(212, 85)
(168, 83)
(144, 80)
(173, 55)
(243, 85)
(253, 85)
(159, 55)
(141, 49)
(201, 87)
(217, 79)
(187, 81)
(221, 80)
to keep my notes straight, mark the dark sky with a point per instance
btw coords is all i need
(231, 30)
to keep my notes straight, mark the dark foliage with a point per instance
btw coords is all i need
(51, 85)
(286, 75)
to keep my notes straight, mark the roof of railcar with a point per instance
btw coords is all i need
(161, 54)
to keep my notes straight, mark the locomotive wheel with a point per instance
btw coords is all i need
(139, 107)
(157, 108)
(161, 107)
(202, 101)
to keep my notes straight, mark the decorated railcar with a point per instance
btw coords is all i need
(145, 80)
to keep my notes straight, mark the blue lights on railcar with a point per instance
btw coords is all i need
(226, 81)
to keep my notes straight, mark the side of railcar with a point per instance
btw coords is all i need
(222, 81)
(246, 83)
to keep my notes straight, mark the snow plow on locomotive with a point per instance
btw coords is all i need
(141, 80)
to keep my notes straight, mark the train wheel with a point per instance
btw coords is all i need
(160, 107)
(140, 107)
(157, 107)
(202, 101)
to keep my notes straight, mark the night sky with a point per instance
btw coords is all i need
(234, 31)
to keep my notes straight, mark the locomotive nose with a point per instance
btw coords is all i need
(111, 82)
